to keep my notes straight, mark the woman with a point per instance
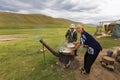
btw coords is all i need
(92, 49)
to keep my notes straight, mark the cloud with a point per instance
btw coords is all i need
(13, 5)
(86, 11)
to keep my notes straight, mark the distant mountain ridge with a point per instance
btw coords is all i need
(13, 20)
(91, 25)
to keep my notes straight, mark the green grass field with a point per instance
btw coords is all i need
(21, 59)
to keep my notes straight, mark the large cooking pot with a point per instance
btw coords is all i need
(64, 50)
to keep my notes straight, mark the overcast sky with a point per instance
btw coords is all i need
(86, 11)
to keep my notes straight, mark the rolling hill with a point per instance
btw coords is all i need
(13, 20)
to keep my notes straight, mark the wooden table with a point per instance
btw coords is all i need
(108, 61)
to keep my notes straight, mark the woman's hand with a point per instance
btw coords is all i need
(72, 52)
(75, 43)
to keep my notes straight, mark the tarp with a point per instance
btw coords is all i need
(116, 31)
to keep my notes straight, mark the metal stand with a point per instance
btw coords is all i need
(43, 54)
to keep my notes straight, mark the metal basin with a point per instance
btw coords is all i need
(64, 50)
(70, 45)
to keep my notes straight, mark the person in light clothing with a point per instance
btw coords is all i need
(71, 36)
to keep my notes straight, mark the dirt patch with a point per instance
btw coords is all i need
(102, 35)
(4, 38)
(9, 39)
(98, 72)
